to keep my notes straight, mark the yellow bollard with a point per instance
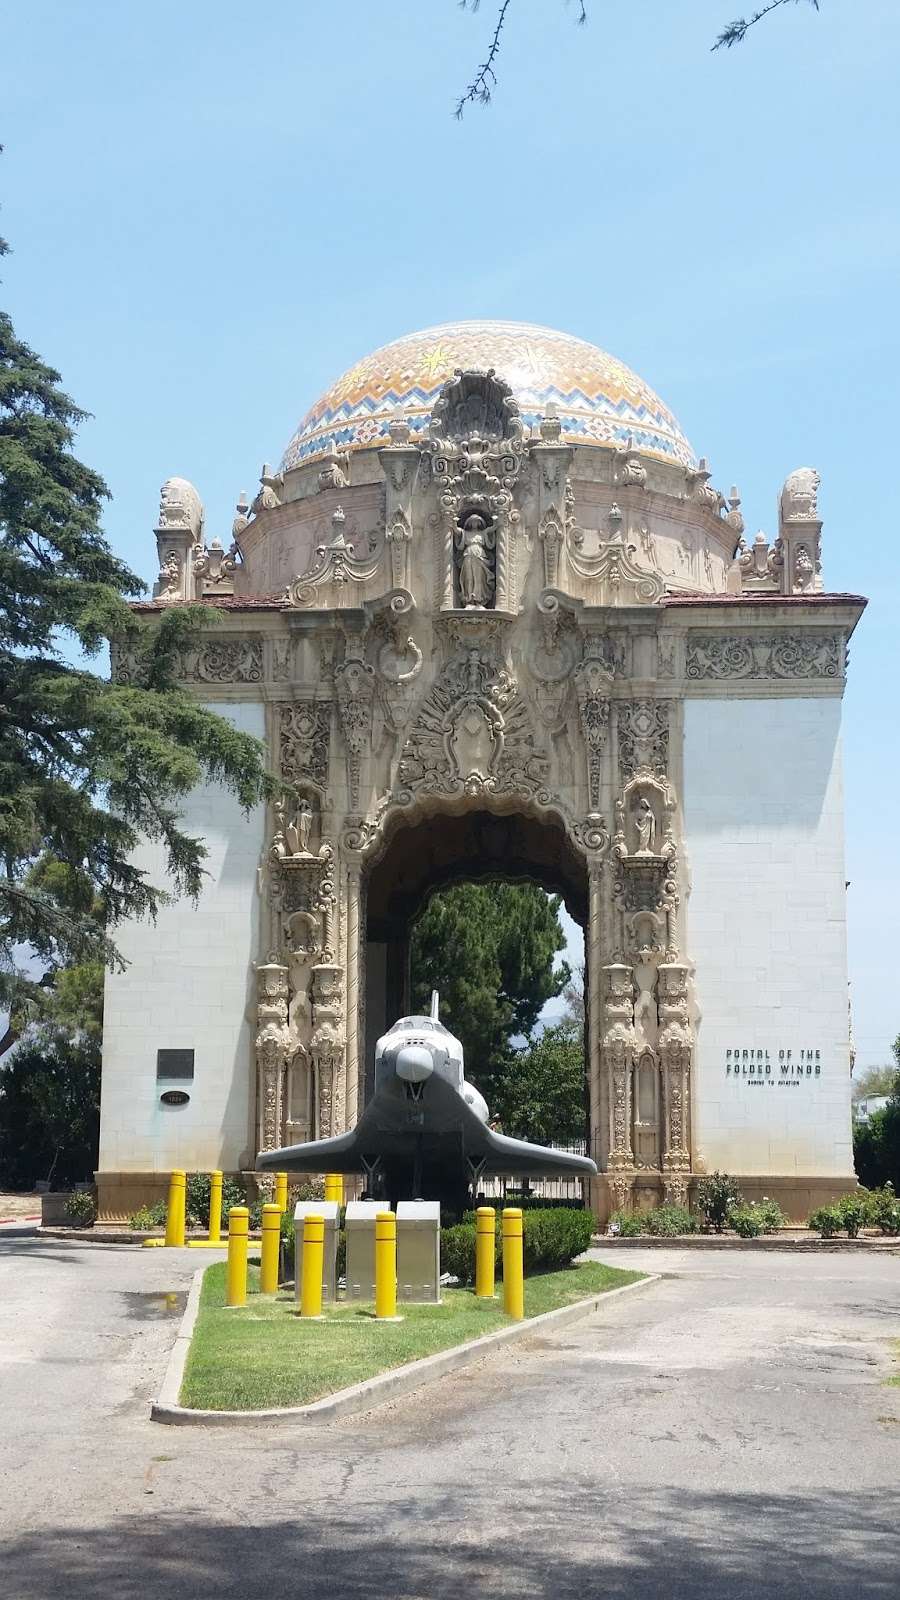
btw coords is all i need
(215, 1208)
(176, 1209)
(485, 1251)
(281, 1191)
(385, 1266)
(271, 1245)
(513, 1264)
(334, 1187)
(238, 1228)
(313, 1266)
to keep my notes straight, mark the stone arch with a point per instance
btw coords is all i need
(428, 848)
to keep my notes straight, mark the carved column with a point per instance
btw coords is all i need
(675, 1049)
(354, 989)
(593, 959)
(326, 1049)
(272, 1044)
(617, 1052)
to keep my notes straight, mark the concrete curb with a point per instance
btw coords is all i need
(717, 1241)
(359, 1396)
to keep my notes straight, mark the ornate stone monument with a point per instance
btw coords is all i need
(491, 616)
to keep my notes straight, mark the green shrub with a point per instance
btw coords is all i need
(853, 1211)
(197, 1199)
(80, 1208)
(883, 1209)
(716, 1194)
(746, 1221)
(458, 1251)
(770, 1214)
(628, 1224)
(553, 1238)
(669, 1221)
(826, 1221)
(148, 1217)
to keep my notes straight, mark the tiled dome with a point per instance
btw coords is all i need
(597, 399)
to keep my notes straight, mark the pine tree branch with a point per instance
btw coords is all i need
(737, 31)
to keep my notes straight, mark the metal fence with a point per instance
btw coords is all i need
(558, 1191)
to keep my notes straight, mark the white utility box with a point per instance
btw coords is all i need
(419, 1251)
(360, 1226)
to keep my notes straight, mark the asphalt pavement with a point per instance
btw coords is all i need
(727, 1432)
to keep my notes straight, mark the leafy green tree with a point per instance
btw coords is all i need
(50, 1081)
(541, 1093)
(876, 1142)
(489, 949)
(87, 767)
(874, 1080)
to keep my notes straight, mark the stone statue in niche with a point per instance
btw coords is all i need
(297, 831)
(645, 824)
(476, 543)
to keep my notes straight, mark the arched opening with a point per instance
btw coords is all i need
(426, 853)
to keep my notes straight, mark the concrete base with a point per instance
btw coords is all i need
(797, 1196)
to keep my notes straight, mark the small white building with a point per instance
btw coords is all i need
(492, 616)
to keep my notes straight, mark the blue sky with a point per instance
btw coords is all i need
(217, 207)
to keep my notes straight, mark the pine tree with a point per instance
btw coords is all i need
(87, 766)
(488, 949)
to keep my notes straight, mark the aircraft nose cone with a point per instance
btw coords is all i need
(414, 1063)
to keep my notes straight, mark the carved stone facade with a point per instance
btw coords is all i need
(486, 612)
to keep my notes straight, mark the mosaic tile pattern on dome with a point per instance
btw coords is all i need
(598, 400)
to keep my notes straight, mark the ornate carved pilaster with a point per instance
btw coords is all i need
(675, 1050)
(272, 1046)
(593, 679)
(399, 461)
(594, 985)
(618, 1048)
(353, 959)
(326, 1048)
(354, 683)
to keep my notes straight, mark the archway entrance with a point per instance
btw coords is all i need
(430, 852)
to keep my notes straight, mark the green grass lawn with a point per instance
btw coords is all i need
(265, 1355)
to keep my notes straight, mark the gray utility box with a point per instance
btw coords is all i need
(317, 1208)
(419, 1251)
(360, 1225)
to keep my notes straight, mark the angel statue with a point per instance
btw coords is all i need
(476, 542)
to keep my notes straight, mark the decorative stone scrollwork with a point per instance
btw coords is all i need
(336, 566)
(552, 658)
(398, 536)
(271, 486)
(551, 533)
(628, 468)
(642, 728)
(473, 735)
(304, 731)
(800, 496)
(213, 568)
(478, 404)
(613, 569)
(593, 679)
(809, 654)
(354, 683)
(335, 470)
